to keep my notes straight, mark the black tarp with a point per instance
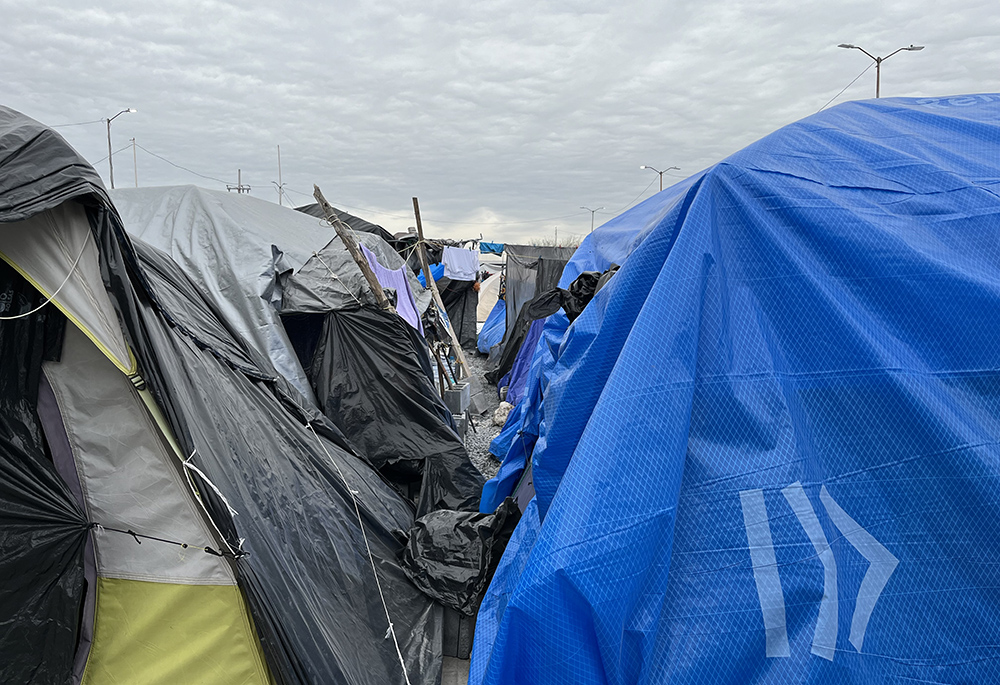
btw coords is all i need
(541, 306)
(369, 372)
(306, 575)
(572, 300)
(356, 223)
(532, 271)
(460, 300)
(452, 555)
(43, 530)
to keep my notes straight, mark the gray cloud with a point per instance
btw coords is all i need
(503, 117)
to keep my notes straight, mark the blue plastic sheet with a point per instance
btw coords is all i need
(767, 451)
(437, 272)
(518, 376)
(491, 248)
(493, 328)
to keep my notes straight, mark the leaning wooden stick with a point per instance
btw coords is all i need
(352, 246)
(436, 296)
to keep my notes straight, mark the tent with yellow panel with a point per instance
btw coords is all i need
(166, 514)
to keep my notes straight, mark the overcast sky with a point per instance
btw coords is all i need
(502, 117)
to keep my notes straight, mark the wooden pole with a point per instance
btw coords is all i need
(436, 296)
(345, 235)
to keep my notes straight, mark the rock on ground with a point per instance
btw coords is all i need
(482, 431)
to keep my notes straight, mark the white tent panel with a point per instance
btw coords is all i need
(129, 476)
(489, 293)
(45, 249)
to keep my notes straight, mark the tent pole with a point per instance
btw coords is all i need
(352, 247)
(455, 345)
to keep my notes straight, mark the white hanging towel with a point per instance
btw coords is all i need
(459, 264)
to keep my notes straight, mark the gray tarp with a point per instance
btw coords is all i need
(244, 253)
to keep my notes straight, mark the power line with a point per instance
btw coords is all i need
(636, 197)
(105, 157)
(184, 168)
(845, 88)
(79, 123)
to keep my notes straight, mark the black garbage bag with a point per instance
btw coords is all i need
(452, 555)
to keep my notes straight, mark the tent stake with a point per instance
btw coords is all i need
(456, 346)
(352, 247)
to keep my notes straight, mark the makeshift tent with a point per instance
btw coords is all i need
(363, 366)
(766, 451)
(279, 259)
(167, 513)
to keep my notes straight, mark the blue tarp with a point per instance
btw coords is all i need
(493, 328)
(437, 272)
(517, 377)
(491, 248)
(769, 449)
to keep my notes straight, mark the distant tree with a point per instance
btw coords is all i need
(571, 240)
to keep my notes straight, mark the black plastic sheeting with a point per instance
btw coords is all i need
(39, 169)
(460, 300)
(452, 555)
(306, 574)
(356, 223)
(42, 529)
(370, 372)
(582, 290)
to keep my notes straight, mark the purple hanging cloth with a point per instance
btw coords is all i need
(406, 304)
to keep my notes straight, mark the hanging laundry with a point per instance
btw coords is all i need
(459, 264)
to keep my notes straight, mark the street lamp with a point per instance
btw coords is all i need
(111, 168)
(879, 60)
(646, 166)
(592, 213)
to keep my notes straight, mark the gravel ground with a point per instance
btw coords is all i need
(477, 441)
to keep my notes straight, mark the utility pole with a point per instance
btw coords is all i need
(556, 229)
(281, 190)
(239, 187)
(135, 166)
(111, 166)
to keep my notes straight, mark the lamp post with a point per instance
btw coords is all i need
(111, 167)
(646, 166)
(592, 213)
(879, 60)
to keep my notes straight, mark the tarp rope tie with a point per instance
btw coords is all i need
(354, 497)
(188, 465)
(337, 278)
(184, 545)
(53, 295)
